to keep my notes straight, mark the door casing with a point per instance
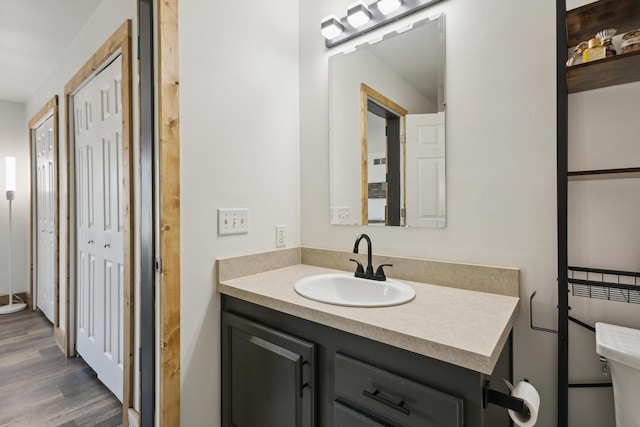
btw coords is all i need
(119, 42)
(368, 94)
(48, 110)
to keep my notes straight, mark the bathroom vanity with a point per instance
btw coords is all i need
(291, 361)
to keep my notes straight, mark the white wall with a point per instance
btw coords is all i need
(604, 230)
(501, 169)
(501, 179)
(239, 147)
(14, 142)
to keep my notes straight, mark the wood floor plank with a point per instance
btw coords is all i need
(39, 386)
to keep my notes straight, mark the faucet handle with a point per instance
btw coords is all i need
(359, 269)
(380, 271)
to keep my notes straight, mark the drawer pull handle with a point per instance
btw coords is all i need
(378, 398)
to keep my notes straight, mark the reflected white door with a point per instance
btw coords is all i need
(45, 214)
(426, 186)
(97, 111)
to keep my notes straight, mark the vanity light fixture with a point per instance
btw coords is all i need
(362, 18)
(358, 14)
(330, 27)
(388, 6)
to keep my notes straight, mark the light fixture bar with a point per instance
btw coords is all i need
(377, 20)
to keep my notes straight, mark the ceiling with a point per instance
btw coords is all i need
(33, 36)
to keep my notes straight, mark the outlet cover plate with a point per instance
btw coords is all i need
(281, 236)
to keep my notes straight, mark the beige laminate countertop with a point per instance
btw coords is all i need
(462, 327)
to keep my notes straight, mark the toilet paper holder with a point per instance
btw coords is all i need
(503, 399)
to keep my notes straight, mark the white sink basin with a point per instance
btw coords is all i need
(345, 289)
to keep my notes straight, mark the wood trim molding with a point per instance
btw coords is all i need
(169, 176)
(403, 218)
(119, 42)
(364, 153)
(48, 110)
(366, 93)
(51, 107)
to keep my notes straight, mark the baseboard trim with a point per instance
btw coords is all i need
(60, 336)
(133, 417)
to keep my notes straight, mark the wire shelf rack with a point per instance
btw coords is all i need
(612, 285)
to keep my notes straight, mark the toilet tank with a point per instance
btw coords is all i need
(619, 344)
(621, 347)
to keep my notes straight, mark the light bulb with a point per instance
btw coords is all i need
(358, 14)
(10, 182)
(330, 27)
(388, 6)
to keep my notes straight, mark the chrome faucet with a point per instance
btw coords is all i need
(360, 271)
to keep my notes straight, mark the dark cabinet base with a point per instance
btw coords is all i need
(346, 366)
(268, 377)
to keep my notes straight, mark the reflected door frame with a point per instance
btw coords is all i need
(50, 109)
(368, 94)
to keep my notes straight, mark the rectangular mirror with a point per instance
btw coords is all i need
(387, 130)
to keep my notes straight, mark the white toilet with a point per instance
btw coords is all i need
(621, 347)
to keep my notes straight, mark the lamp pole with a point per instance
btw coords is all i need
(11, 195)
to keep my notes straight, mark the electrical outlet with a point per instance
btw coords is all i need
(343, 215)
(281, 236)
(233, 221)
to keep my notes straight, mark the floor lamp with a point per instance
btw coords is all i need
(11, 193)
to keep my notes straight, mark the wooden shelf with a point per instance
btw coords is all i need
(604, 174)
(584, 22)
(611, 71)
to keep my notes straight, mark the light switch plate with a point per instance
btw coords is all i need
(233, 221)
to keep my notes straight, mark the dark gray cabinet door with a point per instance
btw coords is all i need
(267, 376)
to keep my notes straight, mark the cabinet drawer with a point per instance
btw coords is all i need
(390, 397)
(347, 417)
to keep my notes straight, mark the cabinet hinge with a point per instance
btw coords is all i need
(403, 213)
(403, 138)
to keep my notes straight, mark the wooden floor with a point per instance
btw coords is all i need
(40, 387)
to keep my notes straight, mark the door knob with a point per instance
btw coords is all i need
(106, 245)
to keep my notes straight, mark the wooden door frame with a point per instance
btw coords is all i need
(118, 43)
(366, 93)
(50, 109)
(168, 92)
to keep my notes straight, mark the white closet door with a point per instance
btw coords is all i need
(100, 225)
(426, 187)
(45, 213)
